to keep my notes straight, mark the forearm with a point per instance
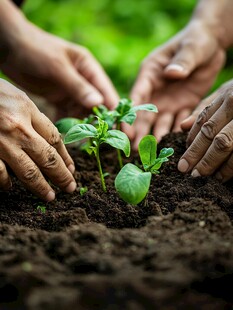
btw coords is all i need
(217, 17)
(12, 23)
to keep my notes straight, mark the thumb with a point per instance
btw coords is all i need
(187, 123)
(185, 61)
(78, 88)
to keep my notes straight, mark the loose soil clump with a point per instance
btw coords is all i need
(97, 252)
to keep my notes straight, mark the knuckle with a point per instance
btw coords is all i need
(208, 129)
(51, 157)
(55, 138)
(202, 117)
(31, 174)
(223, 142)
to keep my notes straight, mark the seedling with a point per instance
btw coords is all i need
(97, 135)
(132, 183)
(83, 190)
(41, 209)
(125, 112)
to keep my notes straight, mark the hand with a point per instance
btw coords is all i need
(175, 77)
(210, 140)
(31, 145)
(64, 73)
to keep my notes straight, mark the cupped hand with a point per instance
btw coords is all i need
(64, 73)
(31, 146)
(210, 140)
(175, 77)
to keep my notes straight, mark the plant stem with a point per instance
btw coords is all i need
(97, 155)
(118, 127)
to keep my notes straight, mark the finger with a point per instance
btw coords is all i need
(163, 125)
(49, 162)
(29, 174)
(181, 115)
(5, 181)
(92, 71)
(186, 60)
(225, 173)
(78, 88)
(147, 82)
(218, 152)
(45, 128)
(187, 123)
(203, 117)
(142, 126)
(206, 135)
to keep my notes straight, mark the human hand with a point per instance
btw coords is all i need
(31, 146)
(210, 140)
(175, 77)
(64, 73)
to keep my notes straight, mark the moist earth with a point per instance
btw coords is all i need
(94, 251)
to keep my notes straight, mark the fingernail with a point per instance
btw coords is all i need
(183, 165)
(93, 99)
(195, 173)
(71, 187)
(175, 67)
(71, 167)
(189, 118)
(218, 176)
(50, 196)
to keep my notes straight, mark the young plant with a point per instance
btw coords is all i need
(41, 209)
(83, 190)
(132, 183)
(125, 112)
(97, 135)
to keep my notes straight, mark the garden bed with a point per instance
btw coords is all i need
(96, 252)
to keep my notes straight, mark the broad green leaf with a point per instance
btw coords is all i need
(79, 132)
(64, 124)
(132, 184)
(145, 107)
(119, 140)
(166, 152)
(147, 150)
(124, 106)
(128, 118)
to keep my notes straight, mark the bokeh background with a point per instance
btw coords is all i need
(120, 33)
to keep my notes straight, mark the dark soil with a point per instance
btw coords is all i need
(97, 252)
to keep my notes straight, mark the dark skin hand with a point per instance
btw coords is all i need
(210, 140)
(31, 146)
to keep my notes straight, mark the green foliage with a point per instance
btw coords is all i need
(132, 183)
(41, 209)
(97, 135)
(83, 190)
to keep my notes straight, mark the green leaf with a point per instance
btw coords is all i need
(132, 184)
(128, 118)
(79, 132)
(147, 150)
(158, 163)
(119, 140)
(102, 128)
(124, 106)
(64, 124)
(145, 107)
(166, 152)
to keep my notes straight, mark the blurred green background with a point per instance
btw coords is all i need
(119, 33)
